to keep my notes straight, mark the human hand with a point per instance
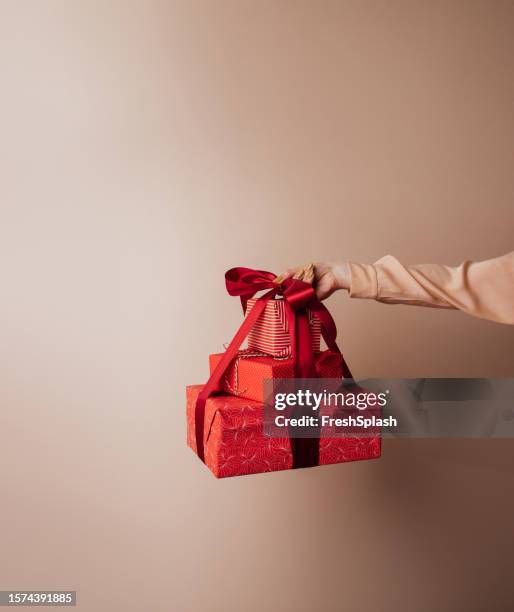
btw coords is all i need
(324, 277)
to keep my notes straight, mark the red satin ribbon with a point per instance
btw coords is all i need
(299, 296)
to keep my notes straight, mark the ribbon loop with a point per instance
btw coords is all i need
(246, 282)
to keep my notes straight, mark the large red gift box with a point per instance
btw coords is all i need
(270, 333)
(235, 445)
(246, 374)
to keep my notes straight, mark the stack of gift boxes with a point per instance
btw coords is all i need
(234, 440)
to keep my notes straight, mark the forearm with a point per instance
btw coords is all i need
(482, 289)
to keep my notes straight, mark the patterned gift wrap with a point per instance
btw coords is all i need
(235, 444)
(270, 334)
(246, 374)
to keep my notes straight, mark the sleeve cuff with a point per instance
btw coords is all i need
(363, 281)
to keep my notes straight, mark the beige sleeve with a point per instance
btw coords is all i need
(483, 289)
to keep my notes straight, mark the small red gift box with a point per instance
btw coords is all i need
(235, 445)
(246, 374)
(270, 333)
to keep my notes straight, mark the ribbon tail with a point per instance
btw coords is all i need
(304, 364)
(221, 368)
(329, 332)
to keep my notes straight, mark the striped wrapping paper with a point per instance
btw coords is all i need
(270, 333)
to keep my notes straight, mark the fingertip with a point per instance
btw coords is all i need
(308, 277)
(286, 274)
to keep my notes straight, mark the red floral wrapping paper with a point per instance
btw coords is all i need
(270, 334)
(235, 444)
(246, 374)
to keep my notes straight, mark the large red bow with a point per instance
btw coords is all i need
(298, 296)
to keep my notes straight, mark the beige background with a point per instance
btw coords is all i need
(145, 148)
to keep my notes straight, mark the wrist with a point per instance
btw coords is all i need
(342, 277)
